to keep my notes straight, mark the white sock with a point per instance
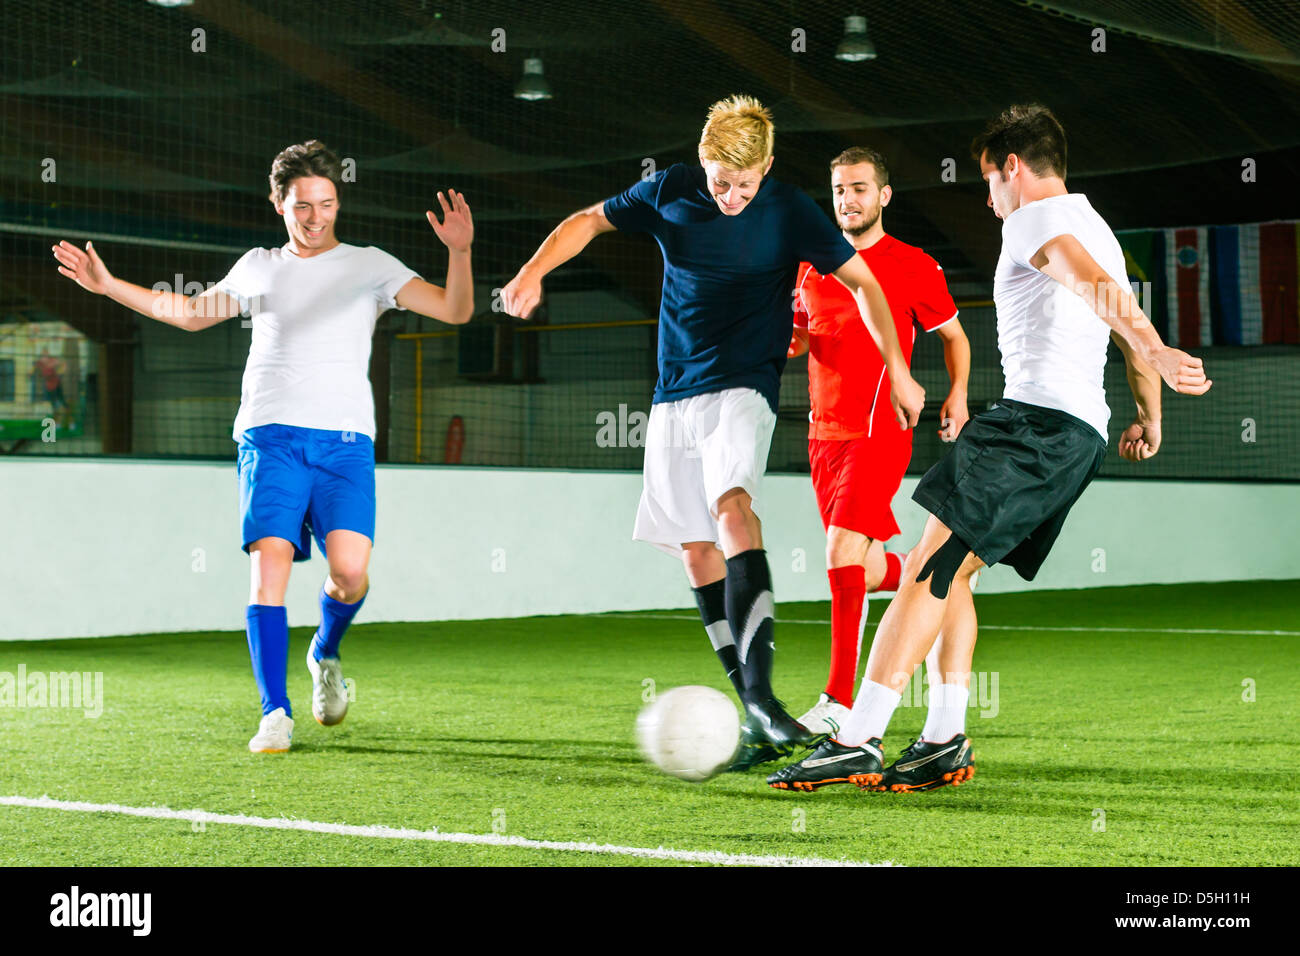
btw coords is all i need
(872, 709)
(947, 715)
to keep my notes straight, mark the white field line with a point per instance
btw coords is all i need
(432, 836)
(984, 627)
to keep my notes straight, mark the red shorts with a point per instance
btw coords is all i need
(856, 481)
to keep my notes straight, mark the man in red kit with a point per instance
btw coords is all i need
(857, 451)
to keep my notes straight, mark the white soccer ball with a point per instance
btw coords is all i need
(690, 732)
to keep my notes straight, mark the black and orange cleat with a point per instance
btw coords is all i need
(832, 762)
(929, 766)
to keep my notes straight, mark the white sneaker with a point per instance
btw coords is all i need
(826, 717)
(329, 695)
(274, 733)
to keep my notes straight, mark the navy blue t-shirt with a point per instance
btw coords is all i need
(726, 314)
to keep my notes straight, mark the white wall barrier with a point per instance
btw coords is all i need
(99, 547)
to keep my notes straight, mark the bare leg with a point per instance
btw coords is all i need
(906, 634)
(738, 527)
(348, 553)
(874, 564)
(949, 660)
(914, 617)
(947, 667)
(271, 561)
(704, 563)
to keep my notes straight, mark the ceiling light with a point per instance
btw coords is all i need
(533, 85)
(855, 47)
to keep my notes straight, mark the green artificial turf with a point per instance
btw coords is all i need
(525, 728)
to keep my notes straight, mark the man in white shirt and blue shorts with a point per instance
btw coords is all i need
(306, 421)
(1002, 494)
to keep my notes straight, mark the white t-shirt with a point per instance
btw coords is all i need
(313, 320)
(1053, 344)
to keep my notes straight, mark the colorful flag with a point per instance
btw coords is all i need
(1219, 285)
(1278, 271)
(1144, 259)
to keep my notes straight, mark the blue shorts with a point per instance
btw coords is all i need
(298, 482)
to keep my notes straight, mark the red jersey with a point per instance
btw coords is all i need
(846, 375)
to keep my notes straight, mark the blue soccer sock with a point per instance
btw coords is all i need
(268, 646)
(335, 616)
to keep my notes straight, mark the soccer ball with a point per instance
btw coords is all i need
(689, 732)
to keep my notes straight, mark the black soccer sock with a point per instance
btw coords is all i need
(750, 611)
(711, 600)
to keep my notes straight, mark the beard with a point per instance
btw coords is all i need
(869, 219)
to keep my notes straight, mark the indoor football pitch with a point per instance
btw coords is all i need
(1115, 726)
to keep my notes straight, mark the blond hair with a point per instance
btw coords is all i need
(738, 133)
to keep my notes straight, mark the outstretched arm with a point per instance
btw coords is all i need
(524, 291)
(453, 304)
(907, 396)
(1066, 261)
(84, 267)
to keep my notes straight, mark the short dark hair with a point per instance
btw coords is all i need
(1032, 132)
(864, 154)
(312, 158)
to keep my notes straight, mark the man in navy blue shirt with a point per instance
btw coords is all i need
(732, 239)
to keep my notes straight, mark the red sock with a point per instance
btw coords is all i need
(848, 592)
(893, 572)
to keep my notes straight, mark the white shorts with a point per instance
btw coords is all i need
(696, 450)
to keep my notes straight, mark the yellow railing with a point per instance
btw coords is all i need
(419, 337)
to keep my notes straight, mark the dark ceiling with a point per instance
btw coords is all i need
(156, 139)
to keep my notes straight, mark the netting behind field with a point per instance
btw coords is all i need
(151, 130)
(577, 398)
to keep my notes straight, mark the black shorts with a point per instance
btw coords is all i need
(1011, 479)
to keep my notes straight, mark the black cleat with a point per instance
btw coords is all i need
(782, 730)
(769, 733)
(755, 748)
(928, 766)
(831, 763)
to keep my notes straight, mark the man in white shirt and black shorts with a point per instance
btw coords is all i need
(1002, 494)
(306, 421)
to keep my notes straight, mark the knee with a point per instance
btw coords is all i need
(703, 561)
(736, 518)
(845, 548)
(271, 563)
(969, 568)
(912, 563)
(732, 523)
(349, 575)
(941, 563)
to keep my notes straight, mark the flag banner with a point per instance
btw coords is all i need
(1218, 285)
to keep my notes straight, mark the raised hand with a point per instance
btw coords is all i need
(1182, 372)
(457, 227)
(1140, 441)
(83, 267)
